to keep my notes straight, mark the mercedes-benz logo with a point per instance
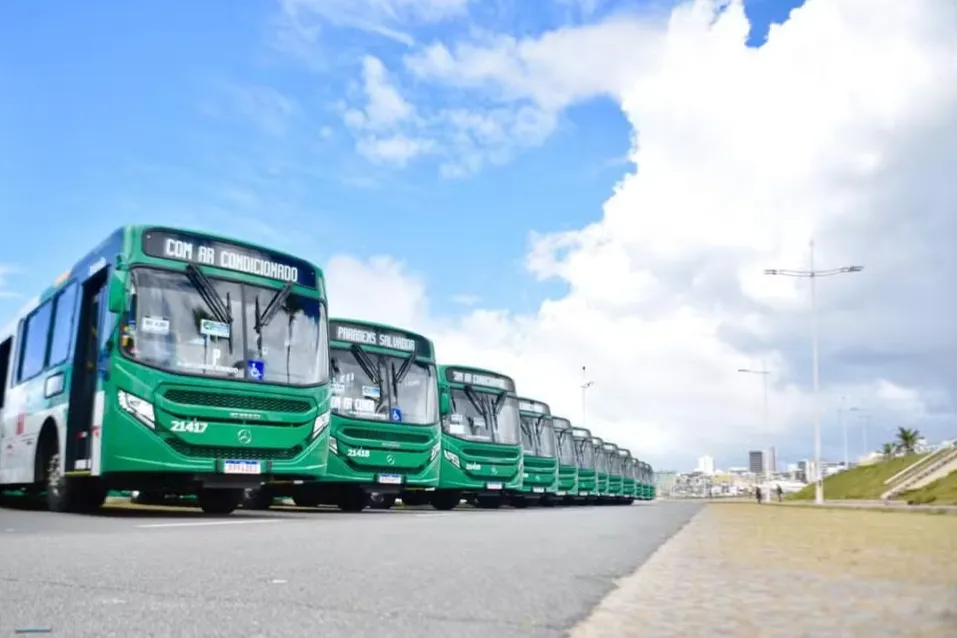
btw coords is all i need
(245, 437)
(390, 460)
(494, 470)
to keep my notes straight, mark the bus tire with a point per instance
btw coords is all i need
(519, 502)
(257, 498)
(414, 499)
(445, 501)
(219, 501)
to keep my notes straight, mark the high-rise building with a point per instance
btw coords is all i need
(756, 461)
(706, 465)
(772, 460)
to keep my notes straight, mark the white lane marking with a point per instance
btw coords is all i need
(210, 523)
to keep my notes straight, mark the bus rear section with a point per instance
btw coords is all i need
(198, 365)
(385, 434)
(539, 455)
(481, 456)
(567, 490)
(587, 476)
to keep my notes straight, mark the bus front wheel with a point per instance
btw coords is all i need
(353, 499)
(219, 501)
(80, 495)
(257, 498)
(445, 501)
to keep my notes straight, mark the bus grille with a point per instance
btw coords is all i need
(234, 453)
(237, 401)
(388, 435)
(491, 453)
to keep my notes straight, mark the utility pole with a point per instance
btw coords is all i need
(584, 386)
(843, 425)
(765, 425)
(813, 275)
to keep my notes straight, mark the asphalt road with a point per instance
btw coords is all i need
(414, 572)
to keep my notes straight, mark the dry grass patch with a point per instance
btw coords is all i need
(901, 546)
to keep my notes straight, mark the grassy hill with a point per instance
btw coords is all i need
(942, 492)
(860, 483)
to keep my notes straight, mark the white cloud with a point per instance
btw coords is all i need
(841, 126)
(5, 271)
(301, 20)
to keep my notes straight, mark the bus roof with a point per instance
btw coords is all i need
(622, 452)
(597, 440)
(468, 375)
(582, 433)
(533, 407)
(379, 335)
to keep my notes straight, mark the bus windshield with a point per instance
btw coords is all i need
(566, 448)
(484, 416)
(601, 459)
(538, 435)
(216, 328)
(586, 454)
(369, 386)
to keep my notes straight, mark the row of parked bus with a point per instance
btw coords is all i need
(169, 362)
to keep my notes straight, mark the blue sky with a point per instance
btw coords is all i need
(123, 112)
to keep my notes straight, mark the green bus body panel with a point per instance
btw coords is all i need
(479, 462)
(568, 479)
(540, 472)
(411, 451)
(587, 483)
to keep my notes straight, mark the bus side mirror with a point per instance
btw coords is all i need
(445, 405)
(117, 293)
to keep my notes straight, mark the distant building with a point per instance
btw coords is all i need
(706, 465)
(772, 460)
(756, 462)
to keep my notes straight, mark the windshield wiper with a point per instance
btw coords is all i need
(205, 288)
(370, 368)
(479, 404)
(272, 307)
(398, 376)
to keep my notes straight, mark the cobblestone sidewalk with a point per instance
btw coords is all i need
(750, 571)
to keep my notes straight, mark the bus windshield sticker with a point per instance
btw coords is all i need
(455, 418)
(256, 369)
(371, 391)
(395, 413)
(214, 328)
(155, 325)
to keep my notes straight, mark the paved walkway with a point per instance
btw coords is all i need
(749, 571)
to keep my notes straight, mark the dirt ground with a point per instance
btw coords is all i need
(747, 570)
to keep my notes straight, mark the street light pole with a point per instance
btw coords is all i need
(843, 425)
(584, 386)
(765, 425)
(813, 274)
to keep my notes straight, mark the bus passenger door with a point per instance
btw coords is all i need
(85, 386)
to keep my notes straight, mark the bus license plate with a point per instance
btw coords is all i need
(390, 479)
(538, 490)
(241, 467)
(494, 486)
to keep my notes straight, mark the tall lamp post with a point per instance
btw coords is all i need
(843, 425)
(813, 274)
(584, 386)
(764, 424)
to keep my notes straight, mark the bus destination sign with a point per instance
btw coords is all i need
(206, 251)
(383, 338)
(527, 405)
(485, 379)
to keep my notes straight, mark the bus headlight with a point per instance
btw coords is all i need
(140, 409)
(453, 458)
(435, 451)
(320, 423)
(333, 446)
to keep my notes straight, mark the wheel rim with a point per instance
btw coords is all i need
(53, 476)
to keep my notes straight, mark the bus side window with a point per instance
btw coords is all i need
(61, 338)
(35, 336)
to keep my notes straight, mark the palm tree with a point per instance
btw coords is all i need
(888, 450)
(907, 439)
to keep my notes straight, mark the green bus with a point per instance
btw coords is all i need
(626, 463)
(167, 361)
(649, 483)
(610, 451)
(481, 444)
(601, 469)
(539, 454)
(567, 489)
(385, 431)
(587, 483)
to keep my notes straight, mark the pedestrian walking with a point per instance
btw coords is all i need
(757, 494)
(780, 494)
